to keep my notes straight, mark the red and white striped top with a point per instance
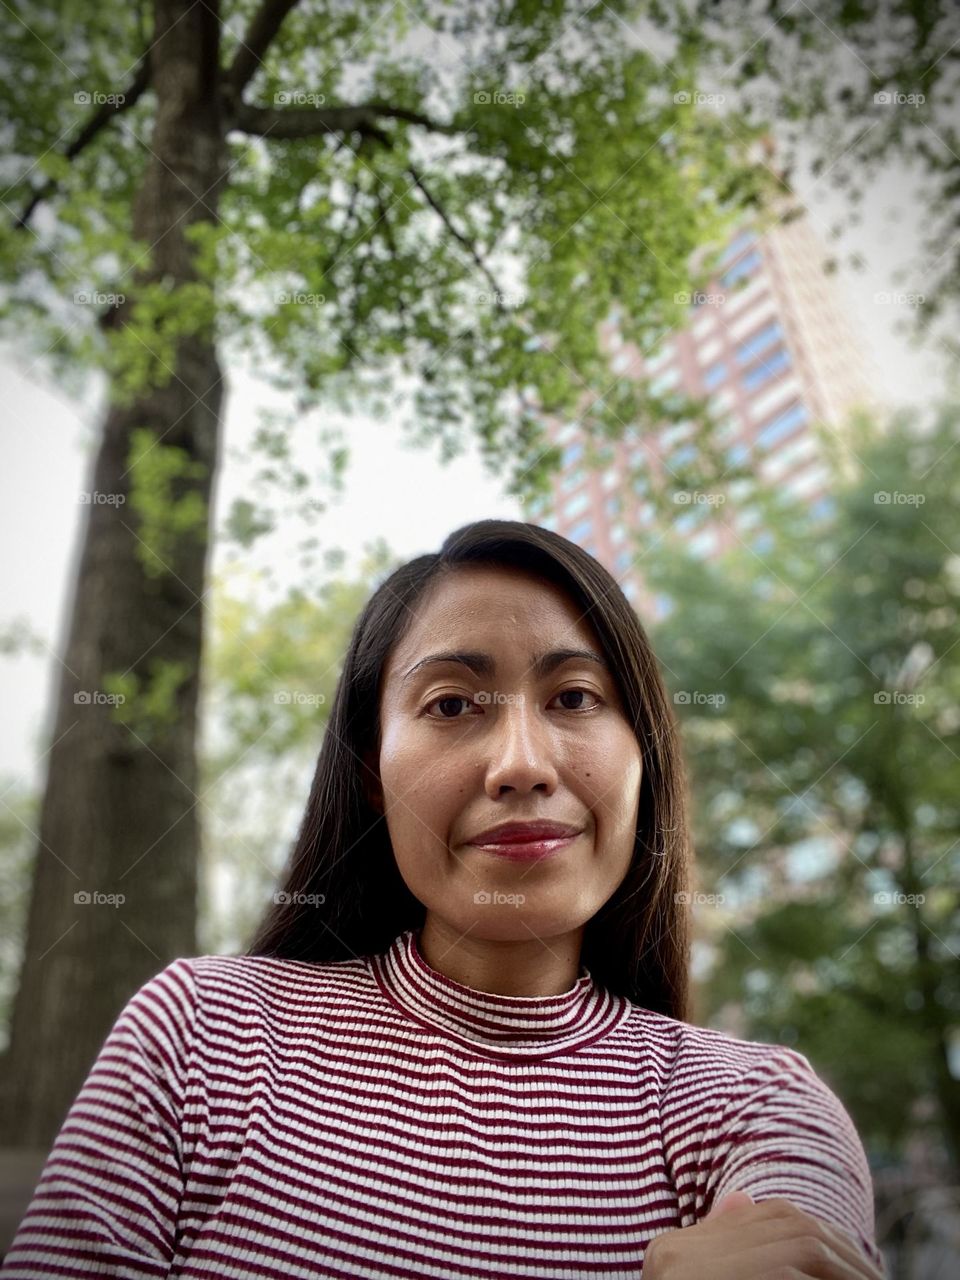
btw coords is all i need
(249, 1116)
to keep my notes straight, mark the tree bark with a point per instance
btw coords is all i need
(934, 1016)
(120, 812)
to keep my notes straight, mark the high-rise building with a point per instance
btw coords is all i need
(767, 343)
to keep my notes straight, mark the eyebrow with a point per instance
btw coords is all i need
(482, 664)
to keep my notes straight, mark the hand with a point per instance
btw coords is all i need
(740, 1240)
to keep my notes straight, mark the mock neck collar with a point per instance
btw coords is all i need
(504, 1027)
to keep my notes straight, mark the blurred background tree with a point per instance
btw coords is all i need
(396, 211)
(816, 671)
(426, 214)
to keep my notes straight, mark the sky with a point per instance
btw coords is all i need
(393, 490)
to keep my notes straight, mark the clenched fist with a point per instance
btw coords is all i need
(772, 1240)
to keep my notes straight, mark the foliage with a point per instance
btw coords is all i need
(445, 253)
(818, 684)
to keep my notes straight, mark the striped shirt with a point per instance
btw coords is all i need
(249, 1116)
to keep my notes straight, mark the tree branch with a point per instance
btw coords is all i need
(309, 122)
(461, 239)
(392, 244)
(102, 116)
(264, 25)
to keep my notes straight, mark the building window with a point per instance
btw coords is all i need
(767, 336)
(713, 376)
(686, 453)
(823, 508)
(781, 425)
(670, 436)
(703, 543)
(572, 453)
(579, 502)
(664, 381)
(624, 558)
(737, 453)
(742, 268)
(737, 245)
(580, 532)
(689, 520)
(767, 369)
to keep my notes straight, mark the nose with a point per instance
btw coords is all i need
(520, 751)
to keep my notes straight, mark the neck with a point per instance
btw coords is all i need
(526, 967)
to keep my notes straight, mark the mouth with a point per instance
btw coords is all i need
(526, 850)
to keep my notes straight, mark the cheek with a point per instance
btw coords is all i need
(612, 784)
(420, 779)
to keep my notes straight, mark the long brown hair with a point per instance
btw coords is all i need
(638, 943)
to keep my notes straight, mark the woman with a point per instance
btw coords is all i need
(458, 1045)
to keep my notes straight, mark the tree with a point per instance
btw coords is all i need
(816, 671)
(270, 677)
(859, 88)
(339, 194)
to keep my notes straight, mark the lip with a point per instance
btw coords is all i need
(524, 832)
(526, 850)
(526, 841)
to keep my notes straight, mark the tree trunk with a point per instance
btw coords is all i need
(120, 811)
(935, 1017)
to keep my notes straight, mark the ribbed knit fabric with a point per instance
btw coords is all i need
(249, 1116)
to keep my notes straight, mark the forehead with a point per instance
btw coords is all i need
(494, 609)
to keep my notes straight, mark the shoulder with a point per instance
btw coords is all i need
(251, 988)
(704, 1061)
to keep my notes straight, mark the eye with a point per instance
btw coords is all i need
(444, 701)
(589, 693)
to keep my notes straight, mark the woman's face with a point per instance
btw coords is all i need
(463, 750)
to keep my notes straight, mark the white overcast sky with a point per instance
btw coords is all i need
(401, 494)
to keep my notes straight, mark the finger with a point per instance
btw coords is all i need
(732, 1200)
(777, 1219)
(840, 1239)
(810, 1256)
